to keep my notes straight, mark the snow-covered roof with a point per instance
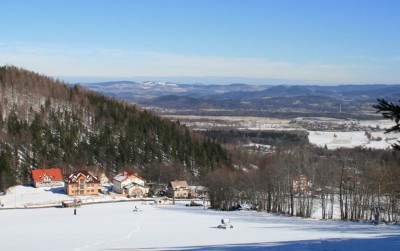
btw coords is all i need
(77, 175)
(120, 177)
(198, 188)
(179, 183)
(125, 175)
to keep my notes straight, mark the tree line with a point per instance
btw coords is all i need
(299, 179)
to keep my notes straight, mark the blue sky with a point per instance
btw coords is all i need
(221, 41)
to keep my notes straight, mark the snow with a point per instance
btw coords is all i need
(27, 196)
(24, 196)
(114, 226)
(329, 132)
(334, 140)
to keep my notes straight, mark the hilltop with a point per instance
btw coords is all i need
(45, 123)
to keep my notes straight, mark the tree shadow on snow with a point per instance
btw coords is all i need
(59, 190)
(373, 244)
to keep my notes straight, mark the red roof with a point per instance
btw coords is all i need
(39, 174)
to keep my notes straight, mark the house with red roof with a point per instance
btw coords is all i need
(81, 183)
(129, 183)
(47, 177)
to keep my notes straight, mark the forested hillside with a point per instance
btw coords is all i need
(46, 123)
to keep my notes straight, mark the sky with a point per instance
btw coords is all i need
(253, 41)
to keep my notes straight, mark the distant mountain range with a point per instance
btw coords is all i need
(148, 90)
(353, 101)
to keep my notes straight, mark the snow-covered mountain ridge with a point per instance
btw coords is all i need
(284, 101)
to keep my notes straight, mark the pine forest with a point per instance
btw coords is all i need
(46, 123)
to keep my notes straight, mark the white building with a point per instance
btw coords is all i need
(129, 183)
(162, 201)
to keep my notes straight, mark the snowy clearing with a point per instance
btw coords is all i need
(334, 140)
(114, 226)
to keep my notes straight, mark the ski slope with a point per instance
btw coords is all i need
(114, 226)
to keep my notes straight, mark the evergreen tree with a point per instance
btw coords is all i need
(7, 175)
(47, 123)
(390, 111)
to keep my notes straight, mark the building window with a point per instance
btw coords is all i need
(47, 179)
(81, 186)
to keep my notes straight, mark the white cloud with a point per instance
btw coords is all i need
(106, 62)
(395, 58)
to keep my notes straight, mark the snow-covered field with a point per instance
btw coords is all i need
(114, 226)
(354, 136)
(334, 140)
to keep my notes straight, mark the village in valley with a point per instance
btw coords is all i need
(82, 187)
(50, 188)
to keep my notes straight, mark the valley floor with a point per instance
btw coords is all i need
(322, 132)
